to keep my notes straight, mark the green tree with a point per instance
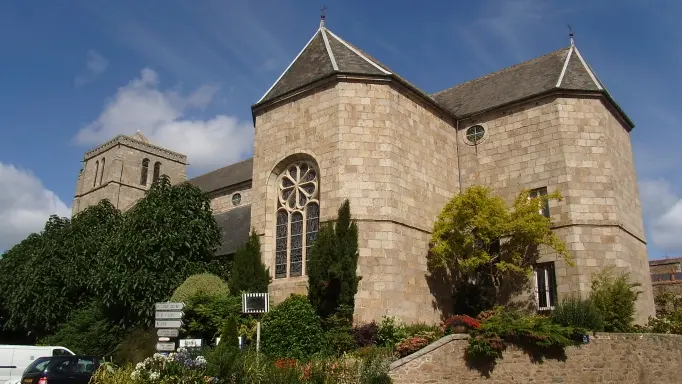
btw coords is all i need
(332, 269)
(46, 276)
(292, 329)
(478, 238)
(249, 274)
(167, 236)
(230, 333)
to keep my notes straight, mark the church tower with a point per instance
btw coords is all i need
(122, 170)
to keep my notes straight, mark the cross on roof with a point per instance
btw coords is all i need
(324, 8)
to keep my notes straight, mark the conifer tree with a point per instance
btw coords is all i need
(332, 272)
(229, 335)
(249, 274)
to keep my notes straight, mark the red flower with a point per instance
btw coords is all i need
(465, 320)
(285, 363)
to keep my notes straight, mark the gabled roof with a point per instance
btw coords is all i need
(564, 69)
(224, 177)
(324, 55)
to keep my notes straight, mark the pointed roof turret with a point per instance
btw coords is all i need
(140, 137)
(324, 55)
(561, 70)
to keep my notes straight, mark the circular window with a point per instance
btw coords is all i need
(236, 199)
(475, 134)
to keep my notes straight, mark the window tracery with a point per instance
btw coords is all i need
(298, 218)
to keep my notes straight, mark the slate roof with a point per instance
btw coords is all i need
(224, 177)
(235, 226)
(324, 55)
(561, 69)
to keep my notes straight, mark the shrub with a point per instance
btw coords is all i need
(391, 332)
(463, 320)
(200, 284)
(230, 334)
(536, 333)
(411, 345)
(136, 346)
(615, 298)
(578, 313)
(205, 315)
(365, 334)
(292, 329)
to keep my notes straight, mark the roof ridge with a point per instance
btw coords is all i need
(330, 53)
(359, 53)
(593, 75)
(501, 71)
(564, 67)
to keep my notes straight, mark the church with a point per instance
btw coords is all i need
(340, 124)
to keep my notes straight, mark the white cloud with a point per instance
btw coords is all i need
(162, 116)
(95, 65)
(25, 205)
(663, 212)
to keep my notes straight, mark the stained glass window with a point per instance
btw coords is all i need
(298, 218)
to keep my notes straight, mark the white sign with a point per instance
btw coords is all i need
(190, 343)
(170, 306)
(164, 339)
(165, 347)
(255, 302)
(167, 332)
(176, 315)
(168, 324)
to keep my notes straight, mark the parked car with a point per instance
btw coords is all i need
(61, 370)
(14, 359)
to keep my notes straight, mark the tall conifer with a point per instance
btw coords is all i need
(332, 272)
(249, 274)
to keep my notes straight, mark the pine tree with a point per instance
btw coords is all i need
(229, 334)
(249, 274)
(332, 272)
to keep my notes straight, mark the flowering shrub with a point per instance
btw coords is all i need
(411, 345)
(463, 320)
(365, 334)
(180, 364)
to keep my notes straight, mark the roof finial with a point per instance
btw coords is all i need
(570, 34)
(322, 16)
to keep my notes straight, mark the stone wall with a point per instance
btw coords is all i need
(223, 200)
(607, 358)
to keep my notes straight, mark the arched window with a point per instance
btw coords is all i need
(298, 218)
(157, 171)
(145, 172)
(101, 176)
(94, 181)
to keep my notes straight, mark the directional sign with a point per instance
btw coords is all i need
(164, 339)
(175, 315)
(169, 306)
(165, 347)
(190, 343)
(167, 332)
(168, 324)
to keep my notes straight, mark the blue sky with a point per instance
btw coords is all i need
(75, 73)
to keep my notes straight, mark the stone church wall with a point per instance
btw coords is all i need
(222, 201)
(393, 158)
(578, 147)
(607, 358)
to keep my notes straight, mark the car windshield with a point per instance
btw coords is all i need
(39, 365)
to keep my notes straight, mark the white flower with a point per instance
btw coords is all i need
(154, 376)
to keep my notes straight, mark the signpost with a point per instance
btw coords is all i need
(256, 303)
(168, 320)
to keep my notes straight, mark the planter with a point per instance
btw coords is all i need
(460, 328)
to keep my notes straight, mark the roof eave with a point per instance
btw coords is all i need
(558, 92)
(343, 75)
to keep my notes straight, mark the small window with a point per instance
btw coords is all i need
(101, 175)
(539, 193)
(94, 181)
(475, 134)
(236, 199)
(145, 172)
(545, 286)
(157, 172)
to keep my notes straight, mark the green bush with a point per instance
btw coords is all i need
(200, 284)
(578, 313)
(228, 337)
(136, 346)
(391, 332)
(615, 297)
(292, 329)
(249, 274)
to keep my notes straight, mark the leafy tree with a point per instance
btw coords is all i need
(167, 236)
(332, 270)
(249, 274)
(477, 238)
(201, 283)
(47, 275)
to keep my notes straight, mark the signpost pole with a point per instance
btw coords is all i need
(258, 336)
